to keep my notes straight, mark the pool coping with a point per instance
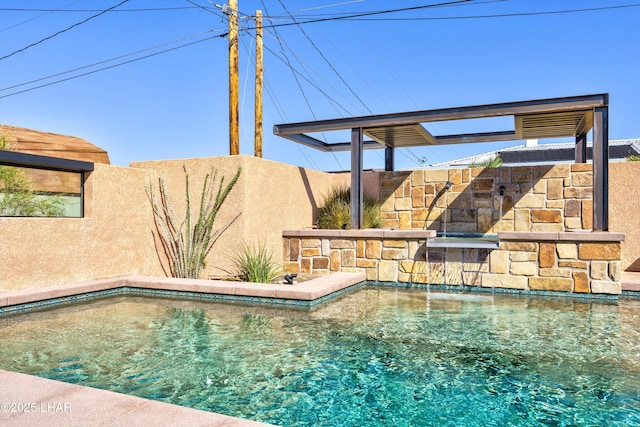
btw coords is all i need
(27, 400)
(305, 293)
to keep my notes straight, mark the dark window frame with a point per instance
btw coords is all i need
(35, 161)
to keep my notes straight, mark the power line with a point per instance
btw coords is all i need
(300, 87)
(327, 61)
(328, 6)
(331, 66)
(106, 60)
(346, 16)
(151, 9)
(363, 14)
(114, 66)
(206, 9)
(295, 77)
(36, 17)
(504, 15)
(63, 31)
(295, 74)
(319, 75)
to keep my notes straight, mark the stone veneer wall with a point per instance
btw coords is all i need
(548, 198)
(566, 262)
(385, 255)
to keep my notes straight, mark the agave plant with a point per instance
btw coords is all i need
(256, 264)
(187, 243)
(336, 211)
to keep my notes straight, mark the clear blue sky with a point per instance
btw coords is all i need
(175, 104)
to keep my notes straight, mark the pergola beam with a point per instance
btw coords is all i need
(445, 114)
(571, 117)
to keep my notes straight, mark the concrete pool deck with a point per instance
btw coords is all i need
(26, 400)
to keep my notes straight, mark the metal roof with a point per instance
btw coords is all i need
(544, 153)
(40, 143)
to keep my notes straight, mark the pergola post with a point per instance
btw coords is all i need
(601, 169)
(356, 178)
(389, 160)
(581, 148)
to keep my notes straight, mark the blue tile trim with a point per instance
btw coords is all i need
(277, 302)
(500, 291)
(304, 304)
(630, 295)
(196, 296)
(31, 306)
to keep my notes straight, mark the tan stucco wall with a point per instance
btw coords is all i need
(112, 240)
(271, 196)
(115, 238)
(624, 210)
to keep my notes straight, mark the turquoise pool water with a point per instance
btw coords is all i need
(389, 357)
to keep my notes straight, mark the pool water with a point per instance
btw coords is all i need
(377, 356)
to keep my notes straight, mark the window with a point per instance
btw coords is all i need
(40, 186)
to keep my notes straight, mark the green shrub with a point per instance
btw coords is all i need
(336, 211)
(255, 264)
(633, 158)
(493, 162)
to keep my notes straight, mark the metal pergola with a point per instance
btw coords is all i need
(571, 116)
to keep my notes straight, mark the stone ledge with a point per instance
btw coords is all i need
(631, 281)
(567, 236)
(370, 233)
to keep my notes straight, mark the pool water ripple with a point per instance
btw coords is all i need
(373, 357)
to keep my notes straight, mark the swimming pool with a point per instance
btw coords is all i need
(377, 356)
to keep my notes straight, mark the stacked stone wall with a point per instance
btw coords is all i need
(563, 262)
(389, 260)
(550, 198)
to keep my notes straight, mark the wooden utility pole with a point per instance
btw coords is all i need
(234, 126)
(258, 88)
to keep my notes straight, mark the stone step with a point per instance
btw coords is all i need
(631, 281)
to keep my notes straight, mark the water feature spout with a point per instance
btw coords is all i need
(501, 193)
(447, 186)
